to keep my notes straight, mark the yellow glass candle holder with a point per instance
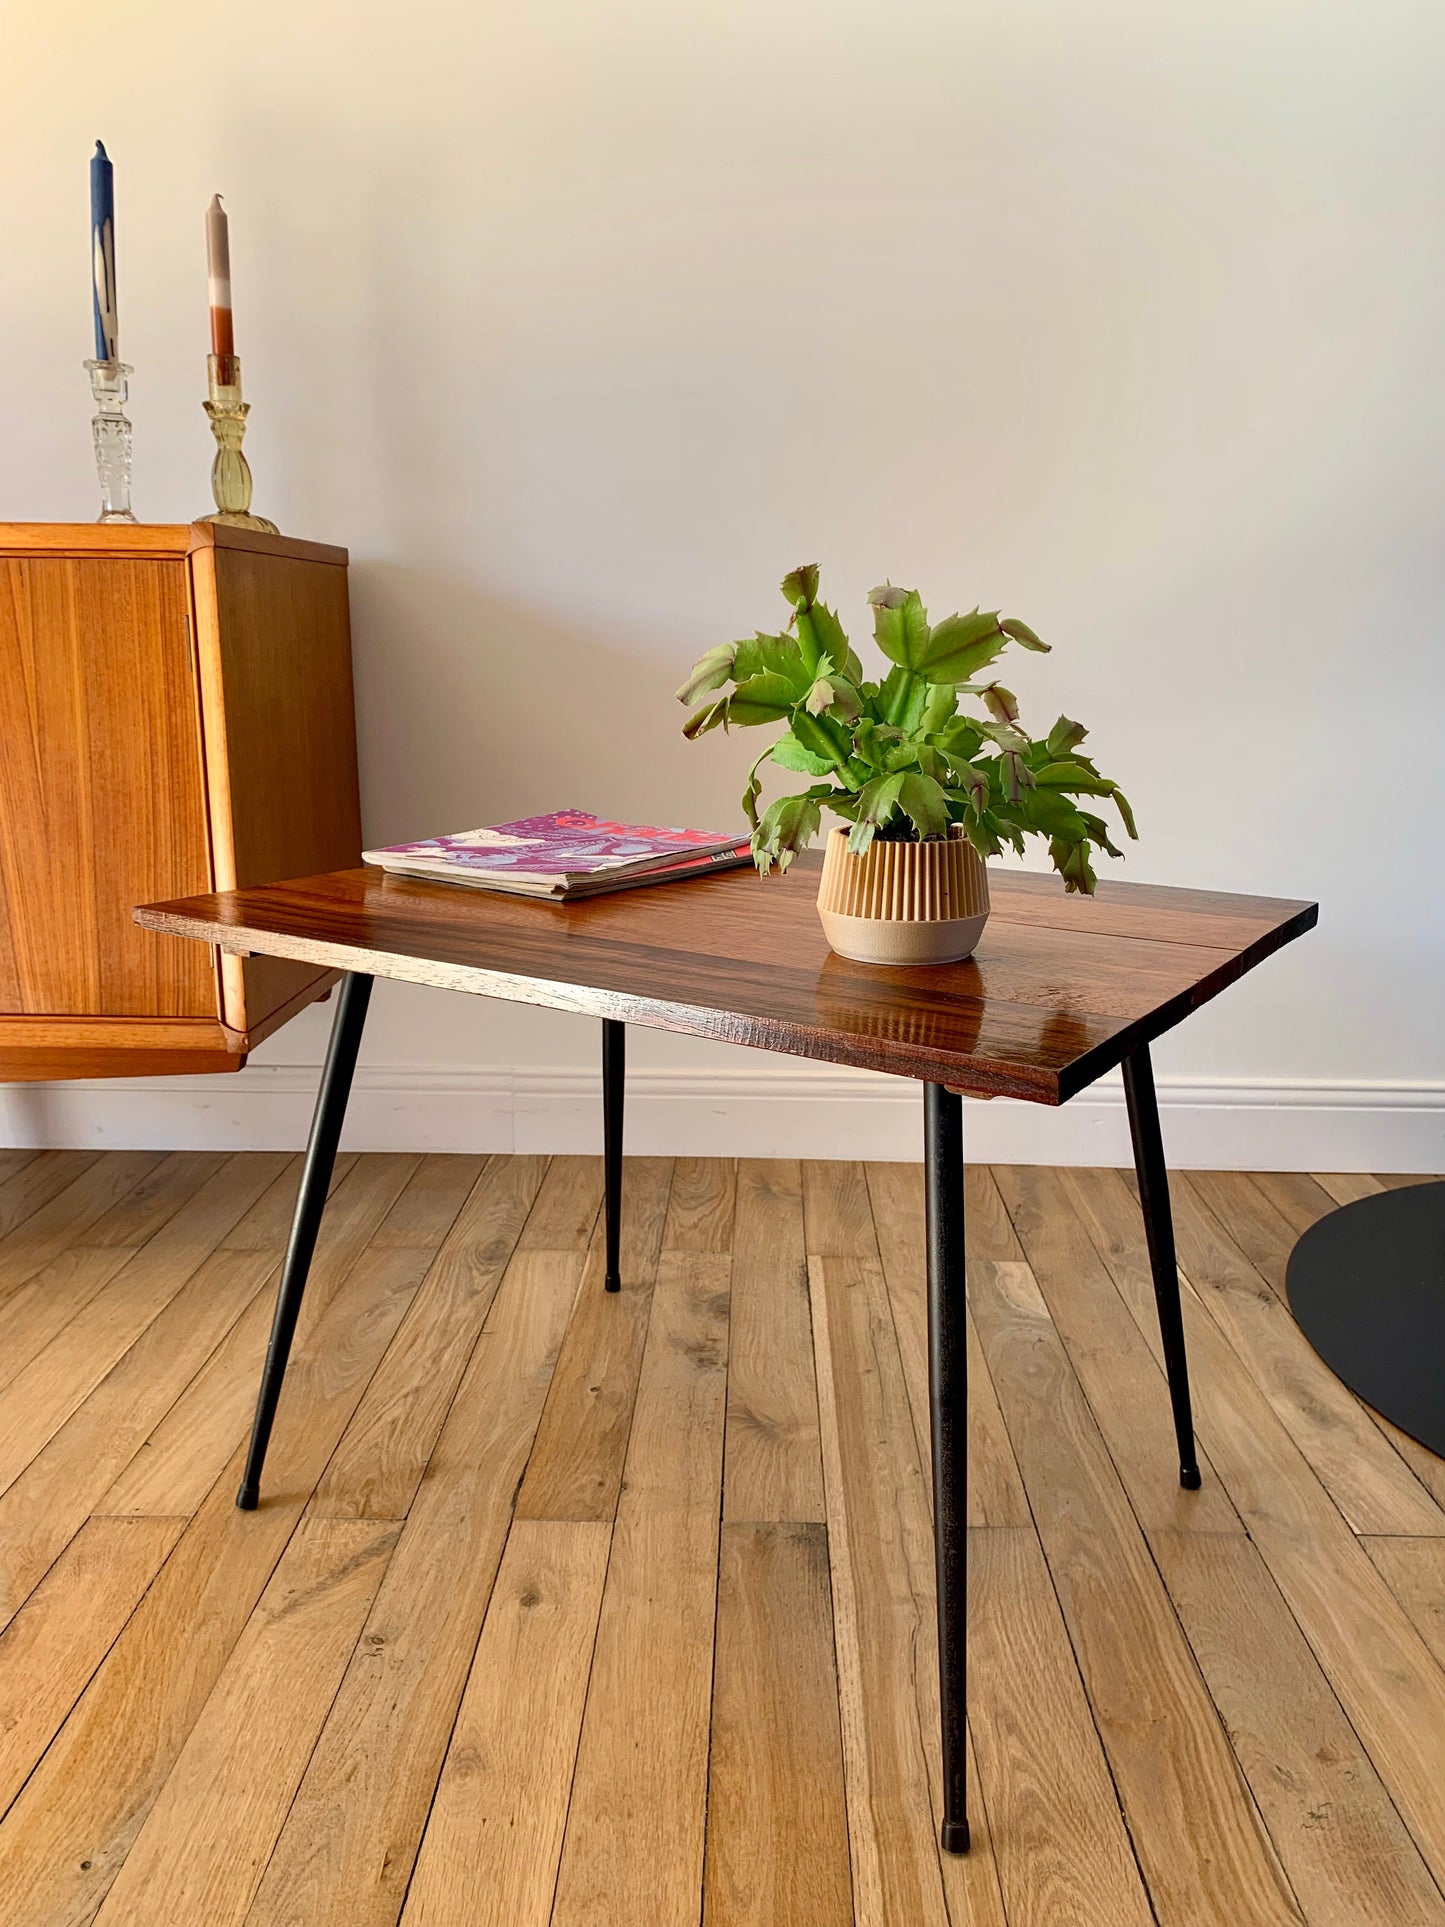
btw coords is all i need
(230, 472)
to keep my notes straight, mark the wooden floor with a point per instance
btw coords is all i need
(616, 1612)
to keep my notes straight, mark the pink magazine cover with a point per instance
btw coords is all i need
(564, 843)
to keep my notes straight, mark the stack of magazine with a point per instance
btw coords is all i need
(566, 855)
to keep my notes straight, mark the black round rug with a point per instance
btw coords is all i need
(1367, 1288)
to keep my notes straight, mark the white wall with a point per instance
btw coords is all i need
(579, 324)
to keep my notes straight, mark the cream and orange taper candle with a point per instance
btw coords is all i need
(218, 278)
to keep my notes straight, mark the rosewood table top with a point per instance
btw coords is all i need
(1058, 991)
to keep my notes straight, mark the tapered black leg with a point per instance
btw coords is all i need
(346, 1028)
(1159, 1230)
(614, 1079)
(948, 1411)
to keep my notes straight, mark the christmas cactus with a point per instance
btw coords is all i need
(899, 758)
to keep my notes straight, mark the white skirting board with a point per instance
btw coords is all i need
(777, 1111)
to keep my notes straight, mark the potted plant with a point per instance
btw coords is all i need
(926, 790)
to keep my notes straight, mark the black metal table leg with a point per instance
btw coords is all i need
(614, 1078)
(1159, 1231)
(346, 1028)
(948, 1410)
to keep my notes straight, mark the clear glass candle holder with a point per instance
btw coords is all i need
(111, 433)
(230, 471)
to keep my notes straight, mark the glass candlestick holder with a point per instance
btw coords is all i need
(230, 472)
(111, 433)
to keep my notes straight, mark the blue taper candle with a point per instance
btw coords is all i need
(102, 254)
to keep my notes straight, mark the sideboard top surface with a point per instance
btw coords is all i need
(155, 539)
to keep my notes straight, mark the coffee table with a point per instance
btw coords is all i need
(1060, 990)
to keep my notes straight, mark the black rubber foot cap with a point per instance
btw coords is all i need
(612, 1282)
(955, 1836)
(246, 1499)
(1189, 1478)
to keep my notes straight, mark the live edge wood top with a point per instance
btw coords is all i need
(1059, 990)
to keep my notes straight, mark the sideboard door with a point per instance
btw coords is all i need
(273, 639)
(102, 801)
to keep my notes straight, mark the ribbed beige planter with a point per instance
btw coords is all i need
(903, 903)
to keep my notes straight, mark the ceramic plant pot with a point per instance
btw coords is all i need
(903, 903)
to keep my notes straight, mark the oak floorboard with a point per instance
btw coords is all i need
(989, 1228)
(346, 1852)
(494, 1836)
(1061, 1843)
(1245, 1206)
(700, 1208)
(1346, 1851)
(307, 1716)
(1298, 1198)
(837, 1211)
(883, 1633)
(428, 1207)
(772, 1467)
(1414, 1570)
(267, 1225)
(995, 1491)
(134, 1219)
(174, 1466)
(12, 1162)
(1127, 1391)
(1357, 1465)
(383, 1453)
(47, 1505)
(642, 1761)
(57, 1381)
(69, 1213)
(569, 1200)
(1346, 1187)
(1199, 1839)
(68, 1833)
(40, 1309)
(1380, 1668)
(201, 1848)
(777, 1828)
(54, 1643)
(575, 1468)
(34, 1178)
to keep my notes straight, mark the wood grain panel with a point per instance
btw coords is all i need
(1038, 1012)
(274, 647)
(100, 786)
(126, 539)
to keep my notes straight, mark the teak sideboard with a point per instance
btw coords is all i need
(176, 716)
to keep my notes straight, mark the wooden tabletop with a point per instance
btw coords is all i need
(1059, 990)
